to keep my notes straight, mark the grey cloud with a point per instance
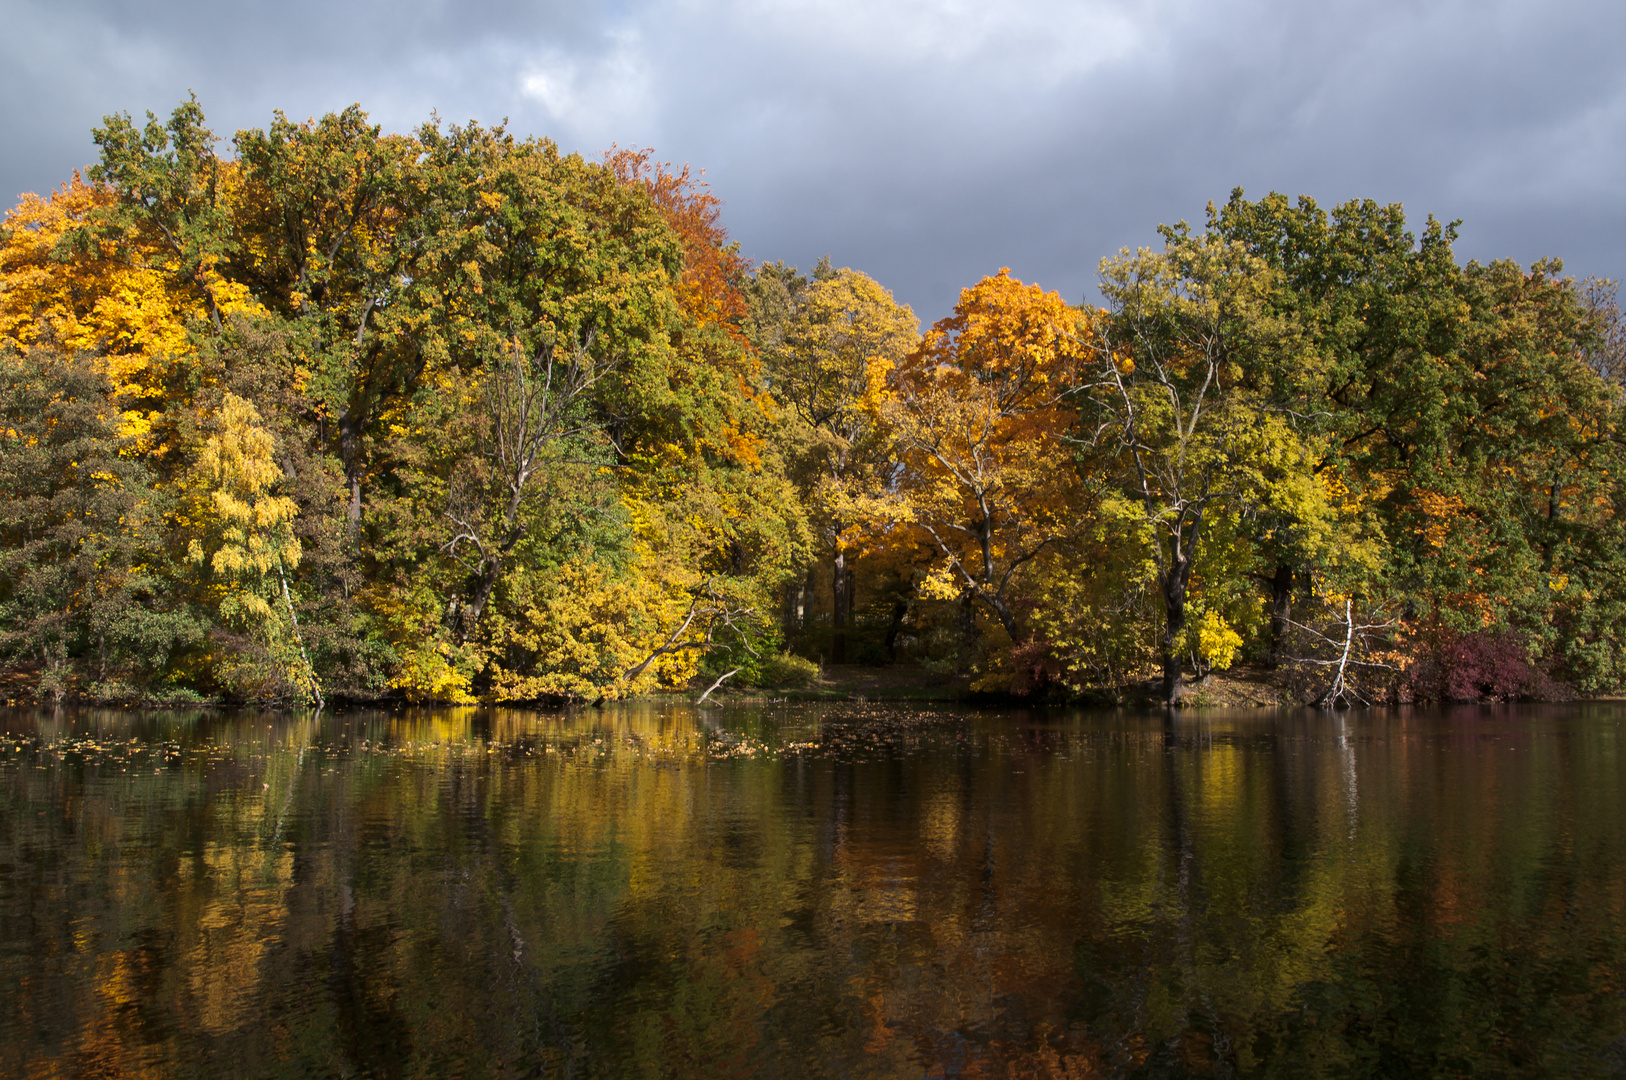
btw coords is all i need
(930, 143)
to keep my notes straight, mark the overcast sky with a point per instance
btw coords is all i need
(927, 142)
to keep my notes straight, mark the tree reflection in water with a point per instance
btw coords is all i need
(814, 891)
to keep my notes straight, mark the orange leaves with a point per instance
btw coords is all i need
(977, 415)
(1006, 363)
(712, 267)
(1441, 514)
(745, 446)
(1024, 345)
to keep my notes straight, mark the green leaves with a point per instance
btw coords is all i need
(82, 602)
(464, 412)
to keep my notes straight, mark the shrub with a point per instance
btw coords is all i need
(787, 670)
(1480, 666)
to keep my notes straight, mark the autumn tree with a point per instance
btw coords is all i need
(1380, 316)
(734, 509)
(84, 605)
(536, 435)
(246, 539)
(1190, 409)
(369, 295)
(978, 418)
(817, 350)
(1466, 439)
(328, 234)
(173, 189)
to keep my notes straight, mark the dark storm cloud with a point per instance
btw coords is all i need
(926, 141)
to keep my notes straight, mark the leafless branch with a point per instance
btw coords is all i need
(706, 607)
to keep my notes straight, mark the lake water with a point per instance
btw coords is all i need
(821, 891)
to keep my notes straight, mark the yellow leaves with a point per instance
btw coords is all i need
(1092, 611)
(1441, 515)
(1004, 329)
(1332, 484)
(426, 672)
(824, 362)
(877, 383)
(977, 413)
(249, 529)
(428, 667)
(1216, 640)
(128, 306)
(581, 628)
(137, 427)
(254, 526)
(231, 297)
(940, 583)
(744, 447)
(92, 302)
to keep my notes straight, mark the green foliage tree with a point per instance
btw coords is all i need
(1191, 410)
(84, 605)
(1468, 440)
(173, 186)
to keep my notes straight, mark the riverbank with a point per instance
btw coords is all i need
(1240, 687)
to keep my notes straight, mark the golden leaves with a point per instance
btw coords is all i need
(124, 302)
(1441, 513)
(976, 417)
(254, 526)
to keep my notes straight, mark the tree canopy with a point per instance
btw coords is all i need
(453, 415)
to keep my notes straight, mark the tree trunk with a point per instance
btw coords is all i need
(479, 589)
(968, 619)
(299, 639)
(805, 598)
(900, 608)
(790, 611)
(350, 457)
(1338, 691)
(1281, 611)
(838, 612)
(1174, 625)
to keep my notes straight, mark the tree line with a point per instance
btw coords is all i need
(452, 415)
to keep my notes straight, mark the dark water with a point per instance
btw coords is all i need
(833, 891)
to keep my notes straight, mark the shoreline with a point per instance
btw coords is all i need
(1241, 687)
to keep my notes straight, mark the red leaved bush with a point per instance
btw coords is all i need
(1478, 666)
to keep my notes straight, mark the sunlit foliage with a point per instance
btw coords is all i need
(453, 415)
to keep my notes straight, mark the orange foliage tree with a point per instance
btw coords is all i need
(977, 417)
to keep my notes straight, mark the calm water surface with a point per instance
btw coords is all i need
(826, 891)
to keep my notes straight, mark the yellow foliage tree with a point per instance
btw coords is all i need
(818, 362)
(247, 531)
(119, 300)
(584, 632)
(1193, 426)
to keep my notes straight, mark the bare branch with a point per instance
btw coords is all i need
(715, 685)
